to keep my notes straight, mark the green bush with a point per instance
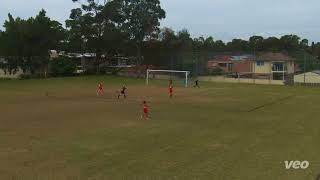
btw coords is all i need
(62, 66)
(31, 76)
(215, 72)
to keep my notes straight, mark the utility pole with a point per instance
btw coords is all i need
(197, 63)
(171, 66)
(305, 67)
(195, 60)
(254, 63)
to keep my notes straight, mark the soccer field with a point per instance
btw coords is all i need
(58, 129)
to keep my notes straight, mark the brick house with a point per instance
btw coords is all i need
(275, 66)
(232, 64)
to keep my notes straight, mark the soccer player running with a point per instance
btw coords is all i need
(145, 115)
(123, 92)
(196, 84)
(100, 89)
(170, 91)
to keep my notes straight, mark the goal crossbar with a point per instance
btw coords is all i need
(169, 71)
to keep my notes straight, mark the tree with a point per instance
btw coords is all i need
(44, 34)
(27, 42)
(62, 66)
(1, 43)
(198, 43)
(238, 45)
(304, 44)
(256, 43)
(290, 42)
(168, 40)
(219, 45)
(96, 25)
(272, 44)
(77, 29)
(209, 43)
(184, 39)
(2, 51)
(13, 43)
(142, 21)
(167, 36)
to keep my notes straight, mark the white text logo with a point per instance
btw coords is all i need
(296, 164)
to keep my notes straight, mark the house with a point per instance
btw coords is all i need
(312, 77)
(273, 66)
(232, 64)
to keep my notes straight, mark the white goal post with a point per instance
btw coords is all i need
(168, 71)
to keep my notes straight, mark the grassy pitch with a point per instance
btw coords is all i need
(57, 129)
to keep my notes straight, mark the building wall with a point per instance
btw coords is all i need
(242, 67)
(290, 67)
(240, 80)
(265, 69)
(250, 66)
(310, 78)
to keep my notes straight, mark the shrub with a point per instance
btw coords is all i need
(62, 66)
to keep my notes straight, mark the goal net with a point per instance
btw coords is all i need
(179, 77)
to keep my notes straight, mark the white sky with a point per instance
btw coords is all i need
(223, 19)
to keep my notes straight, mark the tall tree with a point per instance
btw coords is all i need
(27, 42)
(14, 40)
(209, 43)
(272, 44)
(167, 36)
(290, 42)
(41, 35)
(219, 46)
(95, 23)
(238, 45)
(256, 43)
(76, 31)
(142, 20)
(304, 44)
(184, 39)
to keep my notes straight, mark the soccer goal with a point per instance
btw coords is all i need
(168, 74)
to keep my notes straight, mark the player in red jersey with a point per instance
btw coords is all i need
(171, 91)
(100, 89)
(145, 111)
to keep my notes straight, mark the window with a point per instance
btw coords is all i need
(222, 64)
(260, 63)
(278, 66)
(230, 67)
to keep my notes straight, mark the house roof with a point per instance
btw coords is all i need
(229, 58)
(221, 58)
(317, 72)
(242, 58)
(274, 57)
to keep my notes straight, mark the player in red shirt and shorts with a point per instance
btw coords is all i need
(171, 91)
(100, 89)
(145, 111)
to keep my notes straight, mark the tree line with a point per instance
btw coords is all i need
(129, 28)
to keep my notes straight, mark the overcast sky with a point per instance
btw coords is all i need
(222, 19)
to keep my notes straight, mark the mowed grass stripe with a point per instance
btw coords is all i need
(203, 133)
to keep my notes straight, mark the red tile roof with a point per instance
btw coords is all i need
(275, 57)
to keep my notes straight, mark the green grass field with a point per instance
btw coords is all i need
(218, 132)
